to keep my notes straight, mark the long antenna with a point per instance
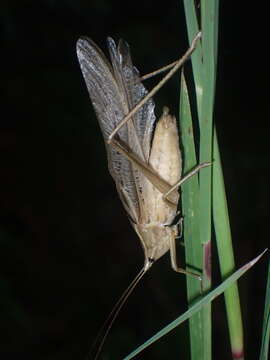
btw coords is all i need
(106, 327)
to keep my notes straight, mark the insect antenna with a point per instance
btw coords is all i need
(107, 325)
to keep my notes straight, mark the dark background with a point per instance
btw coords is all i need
(67, 250)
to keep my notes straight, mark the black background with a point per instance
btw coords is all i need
(67, 250)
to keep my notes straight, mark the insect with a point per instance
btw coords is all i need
(144, 157)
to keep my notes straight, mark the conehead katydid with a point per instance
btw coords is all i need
(144, 157)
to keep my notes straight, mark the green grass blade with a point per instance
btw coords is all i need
(206, 122)
(226, 258)
(209, 21)
(196, 307)
(266, 322)
(192, 30)
(190, 209)
(204, 71)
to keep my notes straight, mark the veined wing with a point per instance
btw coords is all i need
(113, 93)
(106, 96)
(140, 127)
(110, 108)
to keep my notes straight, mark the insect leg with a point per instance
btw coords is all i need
(157, 87)
(172, 240)
(159, 71)
(185, 178)
(174, 264)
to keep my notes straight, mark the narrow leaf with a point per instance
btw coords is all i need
(197, 306)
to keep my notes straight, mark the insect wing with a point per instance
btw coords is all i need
(109, 105)
(140, 126)
(102, 87)
(128, 79)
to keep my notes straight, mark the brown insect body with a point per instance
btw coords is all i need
(155, 227)
(144, 158)
(144, 161)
